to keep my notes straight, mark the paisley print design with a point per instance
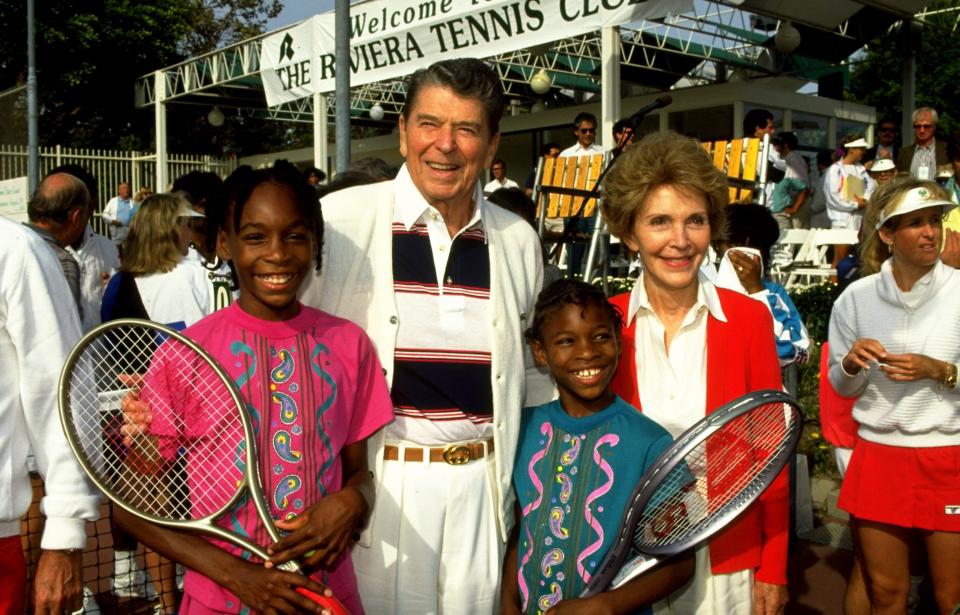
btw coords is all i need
(566, 487)
(570, 455)
(284, 371)
(288, 407)
(285, 488)
(553, 557)
(546, 602)
(282, 447)
(556, 523)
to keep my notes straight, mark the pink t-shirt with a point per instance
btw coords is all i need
(315, 383)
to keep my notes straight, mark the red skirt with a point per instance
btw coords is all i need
(908, 487)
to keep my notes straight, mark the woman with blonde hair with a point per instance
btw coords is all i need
(688, 347)
(895, 344)
(155, 283)
(153, 274)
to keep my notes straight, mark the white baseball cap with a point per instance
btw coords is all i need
(914, 199)
(882, 164)
(858, 143)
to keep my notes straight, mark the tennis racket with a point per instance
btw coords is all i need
(701, 483)
(199, 460)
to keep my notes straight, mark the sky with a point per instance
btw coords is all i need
(298, 10)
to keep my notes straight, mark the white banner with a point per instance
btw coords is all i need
(13, 199)
(392, 38)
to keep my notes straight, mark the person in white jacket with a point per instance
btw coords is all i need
(845, 207)
(443, 282)
(38, 327)
(895, 344)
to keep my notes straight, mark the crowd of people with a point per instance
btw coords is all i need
(478, 430)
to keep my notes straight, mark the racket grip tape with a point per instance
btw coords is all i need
(328, 602)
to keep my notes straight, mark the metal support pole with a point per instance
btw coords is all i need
(320, 132)
(160, 128)
(342, 47)
(610, 113)
(909, 79)
(609, 83)
(33, 140)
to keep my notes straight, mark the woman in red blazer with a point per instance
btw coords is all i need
(689, 347)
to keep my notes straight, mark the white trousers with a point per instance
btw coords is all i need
(435, 547)
(709, 594)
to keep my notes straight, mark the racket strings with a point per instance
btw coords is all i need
(189, 463)
(717, 477)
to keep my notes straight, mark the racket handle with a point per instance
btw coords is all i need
(328, 602)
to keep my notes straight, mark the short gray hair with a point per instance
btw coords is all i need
(54, 203)
(934, 116)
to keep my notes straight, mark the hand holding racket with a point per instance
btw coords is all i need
(191, 459)
(711, 474)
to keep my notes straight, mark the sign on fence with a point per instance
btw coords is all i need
(14, 194)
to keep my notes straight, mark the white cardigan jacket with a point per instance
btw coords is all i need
(357, 283)
(38, 327)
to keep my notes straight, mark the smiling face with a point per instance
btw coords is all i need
(671, 233)
(915, 240)
(580, 346)
(447, 143)
(271, 250)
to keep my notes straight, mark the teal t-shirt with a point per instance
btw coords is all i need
(574, 478)
(784, 192)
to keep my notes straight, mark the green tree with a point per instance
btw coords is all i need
(90, 53)
(221, 22)
(877, 79)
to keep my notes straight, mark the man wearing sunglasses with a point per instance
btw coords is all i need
(886, 146)
(925, 154)
(585, 128)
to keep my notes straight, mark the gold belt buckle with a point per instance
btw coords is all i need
(456, 455)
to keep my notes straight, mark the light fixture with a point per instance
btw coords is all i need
(376, 112)
(215, 117)
(541, 82)
(538, 106)
(787, 38)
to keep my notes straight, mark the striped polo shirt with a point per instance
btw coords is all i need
(442, 389)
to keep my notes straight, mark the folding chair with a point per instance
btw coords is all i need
(800, 241)
(561, 188)
(744, 162)
(817, 266)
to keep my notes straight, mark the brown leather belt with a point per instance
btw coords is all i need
(455, 454)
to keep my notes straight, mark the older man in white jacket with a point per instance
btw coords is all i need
(444, 283)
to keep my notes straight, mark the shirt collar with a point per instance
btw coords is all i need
(929, 146)
(411, 206)
(707, 297)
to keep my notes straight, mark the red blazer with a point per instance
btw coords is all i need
(741, 357)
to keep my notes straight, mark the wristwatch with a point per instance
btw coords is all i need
(950, 381)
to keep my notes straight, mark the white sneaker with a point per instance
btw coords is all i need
(90, 606)
(128, 580)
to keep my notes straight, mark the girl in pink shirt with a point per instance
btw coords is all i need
(315, 390)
